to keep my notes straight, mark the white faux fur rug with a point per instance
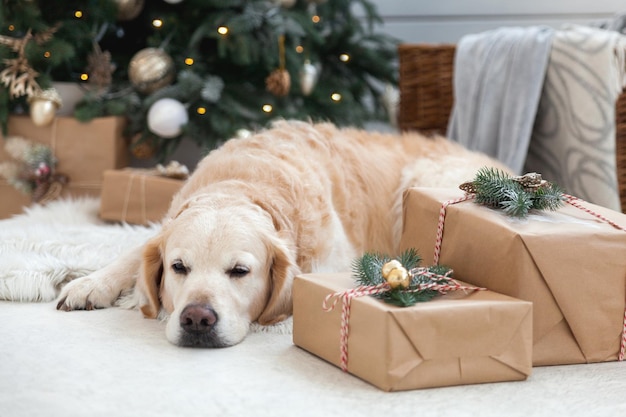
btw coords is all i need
(112, 362)
(48, 246)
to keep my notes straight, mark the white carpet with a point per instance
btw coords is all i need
(113, 362)
(48, 246)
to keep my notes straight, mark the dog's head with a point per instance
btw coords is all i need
(216, 267)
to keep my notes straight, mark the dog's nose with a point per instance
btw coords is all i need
(198, 318)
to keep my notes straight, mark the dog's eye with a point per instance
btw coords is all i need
(238, 271)
(179, 268)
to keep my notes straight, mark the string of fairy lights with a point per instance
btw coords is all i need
(158, 24)
(144, 78)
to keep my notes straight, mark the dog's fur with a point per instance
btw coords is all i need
(256, 212)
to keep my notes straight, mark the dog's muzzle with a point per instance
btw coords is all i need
(197, 322)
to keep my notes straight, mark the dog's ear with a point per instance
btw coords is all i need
(149, 280)
(282, 273)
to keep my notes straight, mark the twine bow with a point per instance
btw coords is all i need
(569, 199)
(440, 283)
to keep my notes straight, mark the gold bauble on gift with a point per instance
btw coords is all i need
(128, 9)
(390, 266)
(278, 82)
(398, 278)
(151, 69)
(43, 106)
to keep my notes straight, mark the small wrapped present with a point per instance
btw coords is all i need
(82, 152)
(137, 196)
(458, 338)
(570, 263)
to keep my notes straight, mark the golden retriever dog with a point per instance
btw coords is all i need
(296, 198)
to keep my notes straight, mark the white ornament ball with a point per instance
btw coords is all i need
(167, 117)
(243, 133)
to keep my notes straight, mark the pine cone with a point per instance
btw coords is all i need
(278, 82)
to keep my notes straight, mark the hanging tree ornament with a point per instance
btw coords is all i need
(279, 82)
(18, 76)
(391, 100)
(166, 117)
(151, 69)
(308, 77)
(128, 9)
(43, 106)
(99, 67)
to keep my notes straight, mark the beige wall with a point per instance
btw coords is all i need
(449, 20)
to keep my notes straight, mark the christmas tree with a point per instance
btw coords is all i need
(203, 69)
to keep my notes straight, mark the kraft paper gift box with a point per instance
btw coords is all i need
(137, 196)
(83, 151)
(458, 338)
(568, 263)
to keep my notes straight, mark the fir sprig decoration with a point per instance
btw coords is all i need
(516, 196)
(368, 271)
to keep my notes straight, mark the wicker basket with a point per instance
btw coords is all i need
(426, 98)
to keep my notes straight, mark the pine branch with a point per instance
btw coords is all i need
(516, 196)
(368, 271)
(549, 198)
(516, 202)
(410, 258)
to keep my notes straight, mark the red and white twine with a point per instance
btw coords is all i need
(569, 199)
(346, 297)
(442, 218)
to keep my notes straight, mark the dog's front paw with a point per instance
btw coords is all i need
(86, 293)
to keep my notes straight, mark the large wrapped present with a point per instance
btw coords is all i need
(570, 263)
(83, 152)
(458, 338)
(137, 196)
(11, 200)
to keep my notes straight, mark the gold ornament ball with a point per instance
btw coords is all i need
(389, 266)
(151, 69)
(43, 106)
(398, 277)
(128, 9)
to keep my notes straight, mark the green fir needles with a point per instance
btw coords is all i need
(516, 196)
(374, 269)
